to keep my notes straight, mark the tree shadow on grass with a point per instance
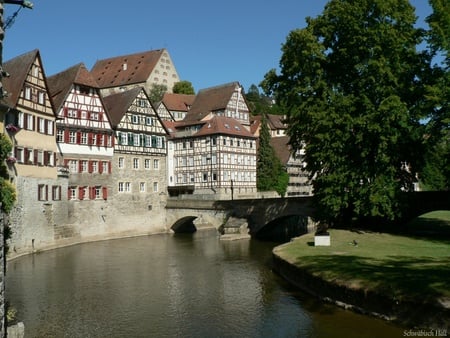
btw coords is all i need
(396, 277)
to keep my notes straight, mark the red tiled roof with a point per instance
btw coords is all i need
(117, 104)
(178, 102)
(112, 72)
(224, 126)
(18, 69)
(61, 83)
(211, 99)
(282, 148)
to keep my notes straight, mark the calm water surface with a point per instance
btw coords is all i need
(171, 286)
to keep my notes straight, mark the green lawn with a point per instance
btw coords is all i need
(397, 266)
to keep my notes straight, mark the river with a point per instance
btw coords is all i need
(171, 286)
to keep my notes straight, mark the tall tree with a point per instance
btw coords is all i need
(183, 87)
(351, 86)
(436, 173)
(271, 176)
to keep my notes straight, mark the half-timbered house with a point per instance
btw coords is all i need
(84, 138)
(30, 123)
(139, 181)
(143, 69)
(213, 149)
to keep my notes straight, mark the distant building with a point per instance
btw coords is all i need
(138, 182)
(299, 182)
(175, 106)
(30, 123)
(276, 124)
(135, 70)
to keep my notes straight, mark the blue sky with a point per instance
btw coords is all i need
(211, 43)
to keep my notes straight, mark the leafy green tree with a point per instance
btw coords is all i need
(7, 191)
(436, 173)
(259, 104)
(157, 92)
(270, 172)
(351, 84)
(183, 87)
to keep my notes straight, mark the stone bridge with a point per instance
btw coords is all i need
(188, 214)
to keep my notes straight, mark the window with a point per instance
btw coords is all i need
(121, 163)
(30, 122)
(27, 93)
(105, 167)
(142, 186)
(42, 125)
(73, 166)
(214, 176)
(19, 155)
(98, 192)
(123, 138)
(42, 192)
(72, 191)
(135, 119)
(156, 164)
(56, 193)
(60, 135)
(72, 137)
(155, 186)
(84, 166)
(147, 163)
(205, 177)
(148, 120)
(84, 138)
(50, 127)
(95, 166)
(41, 97)
(124, 187)
(94, 139)
(135, 163)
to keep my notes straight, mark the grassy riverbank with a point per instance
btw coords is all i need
(397, 267)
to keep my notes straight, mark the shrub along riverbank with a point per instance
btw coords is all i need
(397, 277)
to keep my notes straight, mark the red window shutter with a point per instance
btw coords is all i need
(100, 167)
(109, 167)
(80, 193)
(79, 113)
(66, 136)
(90, 167)
(66, 162)
(46, 192)
(46, 131)
(39, 192)
(92, 193)
(100, 116)
(34, 123)
(69, 193)
(65, 111)
(99, 136)
(78, 137)
(90, 138)
(35, 156)
(88, 115)
(46, 157)
(80, 166)
(105, 193)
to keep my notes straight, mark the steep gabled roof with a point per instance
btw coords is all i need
(282, 148)
(117, 104)
(210, 100)
(61, 83)
(18, 68)
(178, 102)
(126, 69)
(225, 126)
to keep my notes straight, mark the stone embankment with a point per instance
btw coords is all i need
(411, 314)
